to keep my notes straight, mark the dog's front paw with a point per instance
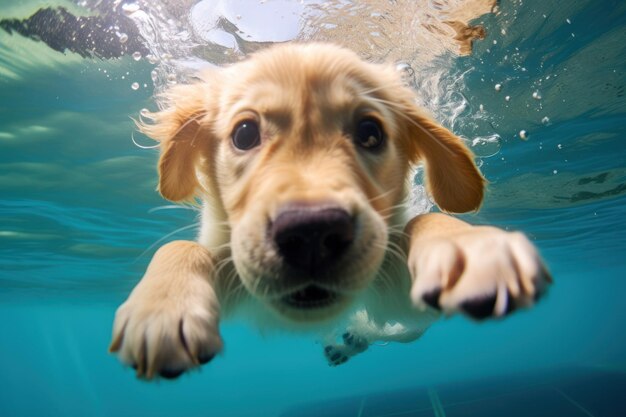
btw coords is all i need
(164, 334)
(481, 272)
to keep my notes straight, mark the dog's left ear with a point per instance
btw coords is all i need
(183, 131)
(452, 177)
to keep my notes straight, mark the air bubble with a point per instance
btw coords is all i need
(130, 8)
(151, 59)
(154, 75)
(498, 87)
(407, 73)
(137, 56)
(545, 120)
(559, 146)
(123, 37)
(555, 172)
(523, 135)
(134, 86)
(486, 146)
(536, 95)
(507, 98)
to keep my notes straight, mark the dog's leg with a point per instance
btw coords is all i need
(480, 271)
(362, 332)
(169, 323)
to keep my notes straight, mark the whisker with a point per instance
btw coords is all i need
(385, 281)
(232, 285)
(173, 206)
(223, 263)
(182, 229)
(394, 207)
(396, 249)
(381, 195)
(395, 252)
(382, 87)
(132, 137)
(398, 232)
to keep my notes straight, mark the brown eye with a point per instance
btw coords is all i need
(246, 135)
(369, 134)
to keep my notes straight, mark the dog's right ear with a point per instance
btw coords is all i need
(182, 128)
(452, 177)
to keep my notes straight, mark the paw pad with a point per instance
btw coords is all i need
(334, 355)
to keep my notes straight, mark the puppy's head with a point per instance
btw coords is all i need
(306, 149)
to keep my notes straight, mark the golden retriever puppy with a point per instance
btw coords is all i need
(301, 157)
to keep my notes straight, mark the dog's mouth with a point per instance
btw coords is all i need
(310, 298)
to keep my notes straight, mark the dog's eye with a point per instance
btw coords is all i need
(246, 135)
(369, 134)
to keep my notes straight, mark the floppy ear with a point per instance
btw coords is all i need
(452, 177)
(181, 130)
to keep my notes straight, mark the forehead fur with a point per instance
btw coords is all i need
(318, 82)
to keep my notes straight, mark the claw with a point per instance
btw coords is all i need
(183, 340)
(432, 298)
(171, 374)
(480, 308)
(142, 361)
(205, 359)
(118, 338)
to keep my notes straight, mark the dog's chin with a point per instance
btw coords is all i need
(311, 304)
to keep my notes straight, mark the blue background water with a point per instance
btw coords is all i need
(75, 222)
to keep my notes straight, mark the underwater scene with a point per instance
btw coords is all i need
(536, 89)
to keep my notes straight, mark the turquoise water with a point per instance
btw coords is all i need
(80, 221)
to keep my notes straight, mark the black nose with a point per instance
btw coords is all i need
(310, 238)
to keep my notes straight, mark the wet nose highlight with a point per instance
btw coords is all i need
(310, 238)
